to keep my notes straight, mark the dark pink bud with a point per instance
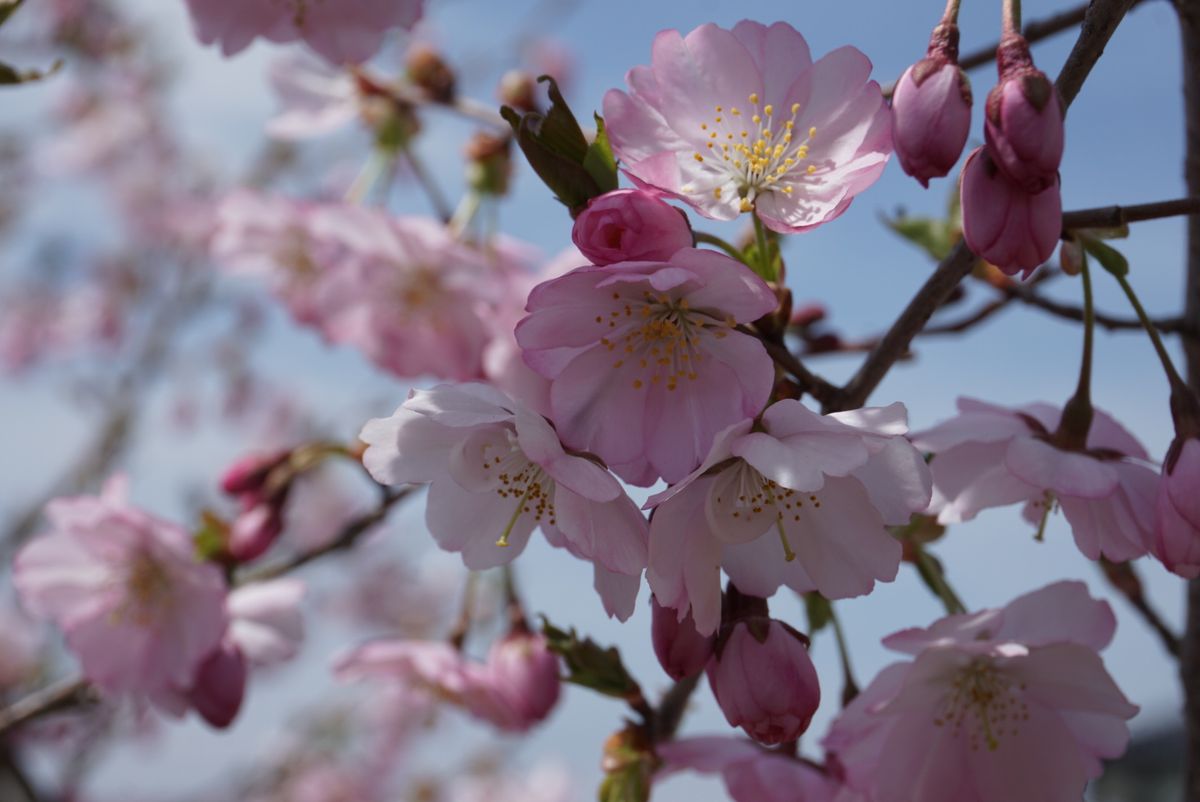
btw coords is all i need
(254, 530)
(523, 674)
(931, 110)
(765, 681)
(1002, 223)
(249, 473)
(629, 225)
(681, 650)
(220, 686)
(1024, 120)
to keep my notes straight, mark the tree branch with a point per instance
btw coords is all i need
(1116, 216)
(1100, 22)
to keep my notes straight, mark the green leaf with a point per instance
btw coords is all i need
(11, 76)
(591, 665)
(1109, 257)
(937, 237)
(558, 151)
(599, 161)
(210, 539)
(7, 7)
(820, 613)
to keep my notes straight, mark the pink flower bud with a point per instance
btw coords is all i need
(630, 225)
(1177, 510)
(681, 650)
(765, 681)
(249, 473)
(254, 530)
(931, 110)
(220, 686)
(1024, 120)
(1004, 224)
(523, 674)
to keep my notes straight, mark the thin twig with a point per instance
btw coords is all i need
(819, 388)
(1116, 216)
(437, 199)
(66, 693)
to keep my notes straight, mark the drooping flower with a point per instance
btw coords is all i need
(992, 456)
(1011, 228)
(630, 225)
(750, 772)
(1176, 538)
(346, 31)
(645, 363)
(931, 109)
(800, 500)
(498, 471)
(764, 680)
(680, 649)
(737, 120)
(125, 587)
(1004, 705)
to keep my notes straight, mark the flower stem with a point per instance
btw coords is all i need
(931, 571)
(850, 686)
(766, 266)
(950, 15)
(713, 239)
(1077, 412)
(1172, 375)
(1012, 16)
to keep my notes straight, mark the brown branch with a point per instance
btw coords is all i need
(1100, 22)
(1026, 295)
(64, 694)
(669, 713)
(1116, 216)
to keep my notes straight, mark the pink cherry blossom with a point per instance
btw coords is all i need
(630, 225)
(265, 620)
(992, 456)
(137, 608)
(1002, 705)
(1176, 538)
(315, 99)
(764, 680)
(644, 360)
(343, 31)
(741, 120)
(750, 772)
(803, 502)
(1011, 228)
(497, 471)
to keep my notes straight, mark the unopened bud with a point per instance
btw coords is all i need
(220, 686)
(1024, 119)
(517, 88)
(931, 109)
(680, 649)
(427, 69)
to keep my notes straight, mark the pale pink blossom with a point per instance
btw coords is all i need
(1011, 228)
(497, 471)
(741, 120)
(799, 499)
(645, 362)
(993, 456)
(630, 225)
(764, 680)
(1010, 704)
(345, 31)
(125, 587)
(1176, 538)
(315, 98)
(266, 622)
(750, 772)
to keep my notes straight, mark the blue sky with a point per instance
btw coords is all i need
(1124, 145)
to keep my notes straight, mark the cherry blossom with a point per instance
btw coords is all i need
(1004, 704)
(737, 120)
(645, 361)
(992, 456)
(1176, 539)
(750, 772)
(137, 608)
(498, 471)
(799, 499)
(630, 225)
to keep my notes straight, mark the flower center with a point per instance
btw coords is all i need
(748, 497)
(984, 704)
(759, 151)
(660, 338)
(147, 588)
(521, 482)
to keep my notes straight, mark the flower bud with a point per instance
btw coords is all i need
(249, 474)
(1024, 120)
(1177, 510)
(931, 110)
(489, 163)
(630, 225)
(681, 650)
(517, 88)
(1002, 223)
(764, 680)
(254, 530)
(220, 686)
(523, 675)
(427, 69)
